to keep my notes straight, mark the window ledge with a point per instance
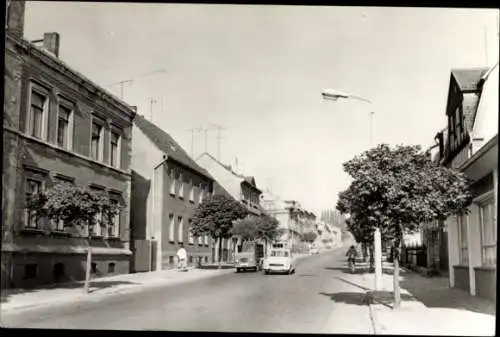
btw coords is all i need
(113, 238)
(60, 233)
(32, 231)
(486, 268)
(71, 153)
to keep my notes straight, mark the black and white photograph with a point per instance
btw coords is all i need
(244, 168)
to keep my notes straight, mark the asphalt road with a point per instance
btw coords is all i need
(236, 302)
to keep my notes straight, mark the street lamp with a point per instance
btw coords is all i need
(334, 95)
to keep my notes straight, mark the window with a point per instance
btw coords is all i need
(115, 149)
(170, 259)
(190, 259)
(30, 271)
(93, 268)
(200, 240)
(63, 127)
(206, 259)
(462, 240)
(172, 182)
(111, 267)
(181, 188)
(206, 240)
(96, 147)
(180, 233)
(37, 113)
(114, 225)
(97, 225)
(190, 235)
(191, 191)
(200, 194)
(171, 228)
(488, 233)
(33, 187)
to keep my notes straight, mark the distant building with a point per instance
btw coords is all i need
(59, 127)
(167, 185)
(293, 219)
(241, 188)
(471, 145)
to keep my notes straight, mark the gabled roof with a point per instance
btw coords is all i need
(468, 79)
(248, 179)
(165, 143)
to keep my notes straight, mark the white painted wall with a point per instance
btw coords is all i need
(474, 245)
(486, 122)
(145, 155)
(454, 259)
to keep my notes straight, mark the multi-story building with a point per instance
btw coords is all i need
(471, 145)
(58, 127)
(167, 185)
(293, 219)
(241, 188)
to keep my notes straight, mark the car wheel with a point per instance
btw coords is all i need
(266, 272)
(238, 270)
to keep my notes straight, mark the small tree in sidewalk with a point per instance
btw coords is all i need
(215, 217)
(78, 207)
(397, 190)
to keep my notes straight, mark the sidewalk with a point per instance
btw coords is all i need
(428, 307)
(100, 288)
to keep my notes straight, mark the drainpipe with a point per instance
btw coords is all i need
(153, 221)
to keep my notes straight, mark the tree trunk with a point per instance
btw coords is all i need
(220, 253)
(397, 255)
(372, 257)
(88, 267)
(364, 251)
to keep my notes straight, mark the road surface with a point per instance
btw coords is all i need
(236, 302)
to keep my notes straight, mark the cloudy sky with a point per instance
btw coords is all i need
(258, 71)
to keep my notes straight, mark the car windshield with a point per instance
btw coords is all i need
(279, 253)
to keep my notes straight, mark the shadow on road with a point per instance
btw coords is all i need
(348, 298)
(94, 286)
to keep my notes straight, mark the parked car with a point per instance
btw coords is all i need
(279, 261)
(250, 258)
(314, 251)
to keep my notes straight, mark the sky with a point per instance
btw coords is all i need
(258, 72)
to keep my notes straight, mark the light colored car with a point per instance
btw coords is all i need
(314, 251)
(279, 261)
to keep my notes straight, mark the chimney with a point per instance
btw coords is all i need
(15, 17)
(51, 43)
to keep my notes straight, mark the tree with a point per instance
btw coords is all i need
(397, 190)
(76, 206)
(309, 237)
(247, 229)
(215, 216)
(268, 228)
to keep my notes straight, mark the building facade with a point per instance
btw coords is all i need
(293, 218)
(167, 185)
(241, 188)
(472, 147)
(59, 127)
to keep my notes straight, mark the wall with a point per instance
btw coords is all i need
(25, 156)
(180, 206)
(486, 123)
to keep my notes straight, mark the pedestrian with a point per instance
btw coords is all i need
(181, 258)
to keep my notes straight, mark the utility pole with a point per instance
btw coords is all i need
(151, 102)
(121, 84)
(193, 130)
(219, 137)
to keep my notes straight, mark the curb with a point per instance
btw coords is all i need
(86, 298)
